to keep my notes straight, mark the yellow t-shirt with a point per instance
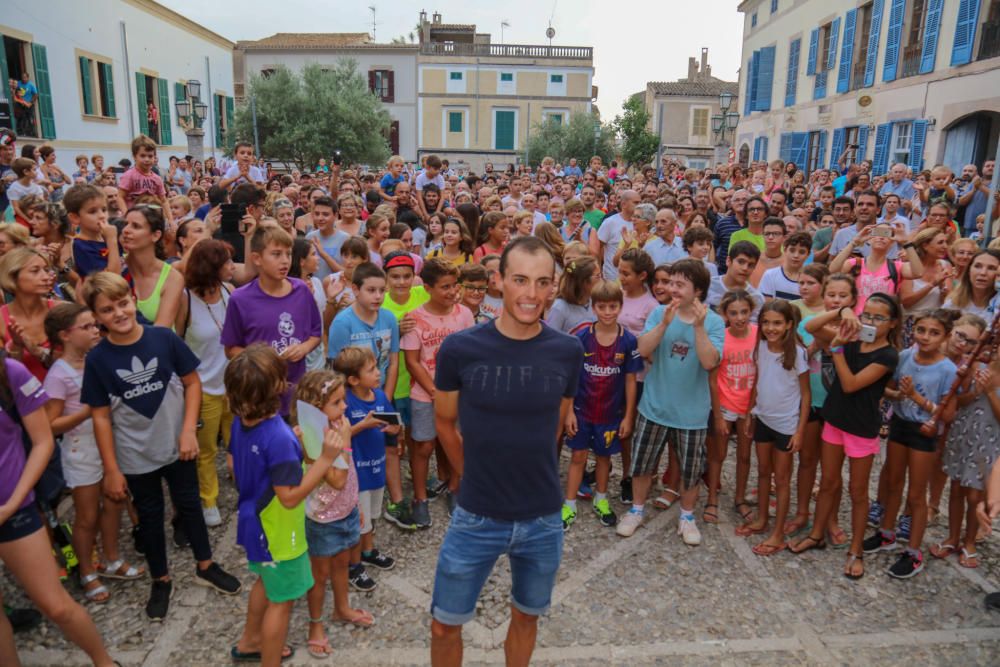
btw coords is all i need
(418, 297)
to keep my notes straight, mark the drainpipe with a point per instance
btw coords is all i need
(211, 97)
(128, 80)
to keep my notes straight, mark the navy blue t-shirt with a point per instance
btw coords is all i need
(509, 394)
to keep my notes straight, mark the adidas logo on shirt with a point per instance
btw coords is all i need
(139, 375)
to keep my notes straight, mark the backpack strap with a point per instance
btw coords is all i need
(893, 275)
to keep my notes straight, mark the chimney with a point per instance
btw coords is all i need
(423, 16)
(437, 18)
(692, 69)
(705, 69)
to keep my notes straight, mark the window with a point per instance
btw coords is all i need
(506, 84)
(97, 87)
(222, 110)
(380, 82)
(556, 85)
(153, 98)
(19, 56)
(504, 129)
(753, 20)
(555, 78)
(914, 31)
(989, 46)
(862, 34)
(455, 76)
(699, 122)
(507, 77)
(902, 138)
(817, 149)
(774, 6)
(455, 121)
(266, 73)
(554, 117)
(456, 83)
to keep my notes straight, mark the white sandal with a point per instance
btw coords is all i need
(92, 593)
(111, 571)
(665, 503)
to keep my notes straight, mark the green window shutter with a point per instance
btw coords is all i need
(504, 131)
(140, 98)
(166, 137)
(456, 76)
(109, 90)
(556, 78)
(180, 94)
(217, 119)
(4, 73)
(230, 129)
(506, 76)
(85, 82)
(454, 121)
(40, 57)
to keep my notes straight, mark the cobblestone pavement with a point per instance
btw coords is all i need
(646, 600)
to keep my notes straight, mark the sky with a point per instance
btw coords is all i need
(651, 40)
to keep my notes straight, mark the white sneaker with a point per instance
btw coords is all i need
(212, 516)
(689, 532)
(628, 524)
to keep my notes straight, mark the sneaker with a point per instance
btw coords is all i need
(212, 517)
(421, 514)
(568, 516)
(452, 500)
(879, 542)
(399, 514)
(585, 492)
(629, 523)
(359, 579)
(875, 512)
(215, 577)
(378, 559)
(903, 528)
(23, 619)
(603, 509)
(689, 532)
(435, 487)
(159, 600)
(180, 539)
(626, 490)
(906, 566)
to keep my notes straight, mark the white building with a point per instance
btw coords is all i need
(912, 81)
(391, 70)
(98, 64)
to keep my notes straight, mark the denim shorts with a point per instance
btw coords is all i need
(470, 550)
(329, 539)
(422, 425)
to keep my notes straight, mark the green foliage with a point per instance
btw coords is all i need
(304, 117)
(561, 141)
(638, 143)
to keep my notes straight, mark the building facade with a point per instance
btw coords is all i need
(911, 81)
(391, 70)
(681, 111)
(103, 70)
(478, 101)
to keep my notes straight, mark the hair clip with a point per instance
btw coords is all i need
(327, 386)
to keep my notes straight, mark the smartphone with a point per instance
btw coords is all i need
(232, 218)
(885, 232)
(390, 418)
(714, 177)
(867, 334)
(117, 170)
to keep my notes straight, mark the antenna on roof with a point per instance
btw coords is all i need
(372, 8)
(503, 24)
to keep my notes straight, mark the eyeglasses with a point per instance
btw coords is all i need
(961, 338)
(874, 319)
(474, 289)
(773, 235)
(755, 209)
(90, 326)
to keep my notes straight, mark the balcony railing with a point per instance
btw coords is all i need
(989, 47)
(507, 50)
(911, 60)
(858, 75)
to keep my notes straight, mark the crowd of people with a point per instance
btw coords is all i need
(157, 316)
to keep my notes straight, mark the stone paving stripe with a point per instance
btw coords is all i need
(902, 637)
(973, 575)
(474, 630)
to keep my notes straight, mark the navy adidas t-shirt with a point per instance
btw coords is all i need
(141, 384)
(510, 474)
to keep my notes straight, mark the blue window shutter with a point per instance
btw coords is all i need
(928, 54)
(831, 53)
(748, 94)
(785, 147)
(821, 158)
(892, 40)
(965, 32)
(819, 92)
(880, 163)
(839, 136)
(765, 79)
(813, 47)
(873, 36)
(792, 78)
(800, 149)
(756, 149)
(847, 52)
(919, 138)
(763, 148)
(754, 80)
(862, 142)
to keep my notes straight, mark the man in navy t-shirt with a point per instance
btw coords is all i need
(512, 370)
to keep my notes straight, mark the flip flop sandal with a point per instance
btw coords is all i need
(119, 569)
(764, 549)
(364, 620)
(709, 515)
(795, 526)
(849, 570)
(813, 544)
(665, 503)
(94, 594)
(744, 515)
(254, 656)
(319, 648)
(843, 544)
(943, 550)
(967, 560)
(746, 530)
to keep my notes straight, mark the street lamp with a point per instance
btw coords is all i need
(723, 123)
(191, 112)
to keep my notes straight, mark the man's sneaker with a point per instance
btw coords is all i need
(629, 523)
(875, 512)
(215, 577)
(903, 528)
(212, 516)
(689, 532)
(603, 509)
(399, 514)
(626, 492)
(421, 514)
(879, 541)
(568, 516)
(584, 492)
(435, 487)
(359, 579)
(452, 500)
(159, 600)
(23, 619)
(378, 559)
(906, 566)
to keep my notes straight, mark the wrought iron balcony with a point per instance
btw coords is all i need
(911, 60)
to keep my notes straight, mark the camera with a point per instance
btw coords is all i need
(867, 334)
(338, 157)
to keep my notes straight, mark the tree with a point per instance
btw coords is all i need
(562, 141)
(638, 143)
(304, 117)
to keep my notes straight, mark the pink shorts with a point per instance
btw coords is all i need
(855, 447)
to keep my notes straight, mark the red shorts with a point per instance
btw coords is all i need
(855, 447)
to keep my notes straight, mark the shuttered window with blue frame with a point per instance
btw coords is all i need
(932, 26)
(813, 48)
(965, 32)
(754, 79)
(839, 137)
(873, 38)
(831, 50)
(760, 148)
(893, 41)
(748, 93)
(917, 142)
(800, 149)
(880, 161)
(765, 79)
(792, 78)
(862, 142)
(847, 52)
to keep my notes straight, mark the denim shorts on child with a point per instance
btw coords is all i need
(422, 421)
(81, 460)
(470, 550)
(855, 446)
(285, 580)
(329, 539)
(602, 439)
(370, 506)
